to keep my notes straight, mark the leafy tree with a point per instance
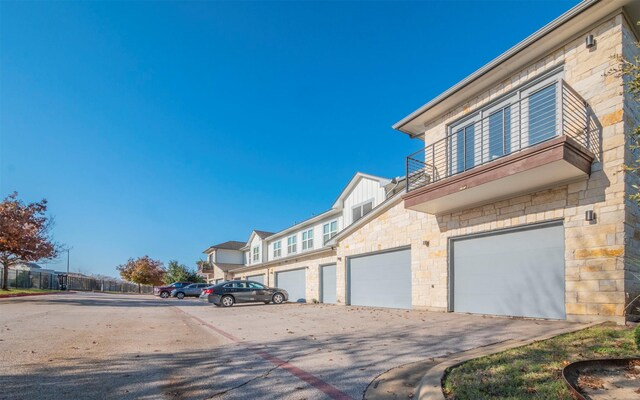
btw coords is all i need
(177, 272)
(24, 234)
(143, 271)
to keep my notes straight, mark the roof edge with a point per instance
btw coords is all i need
(519, 47)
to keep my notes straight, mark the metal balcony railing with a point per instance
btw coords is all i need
(510, 126)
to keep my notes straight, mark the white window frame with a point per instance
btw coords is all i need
(255, 254)
(361, 207)
(327, 232)
(307, 240)
(518, 98)
(277, 249)
(292, 244)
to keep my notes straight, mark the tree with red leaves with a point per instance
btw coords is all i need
(24, 234)
(143, 271)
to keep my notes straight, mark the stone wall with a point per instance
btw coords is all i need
(595, 276)
(632, 219)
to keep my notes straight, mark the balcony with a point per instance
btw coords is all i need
(520, 145)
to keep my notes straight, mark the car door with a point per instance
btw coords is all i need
(197, 289)
(241, 292)
(258, 291)
(186, 290)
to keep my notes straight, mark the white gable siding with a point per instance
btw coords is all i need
(227, 256)
(365, 190)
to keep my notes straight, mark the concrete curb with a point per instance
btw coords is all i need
(9, 296)
(430, 387)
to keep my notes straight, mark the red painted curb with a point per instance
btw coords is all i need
(325, 387)
(7, 296)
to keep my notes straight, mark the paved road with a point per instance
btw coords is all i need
(97, 346)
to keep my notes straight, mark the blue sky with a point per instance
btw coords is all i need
(163, 128)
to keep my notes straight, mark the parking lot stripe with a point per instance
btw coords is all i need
(323, 386)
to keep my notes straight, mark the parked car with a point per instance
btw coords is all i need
(165, 291)
(193, 290)
(228, 293)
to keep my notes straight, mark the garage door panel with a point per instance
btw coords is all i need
(381, 280)
(294, 283)
(328, 282)
(256, 278)
(519, 273)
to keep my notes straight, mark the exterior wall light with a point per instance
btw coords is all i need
(590, 41)
(589, 215)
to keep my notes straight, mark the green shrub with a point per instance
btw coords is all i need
(636, 336)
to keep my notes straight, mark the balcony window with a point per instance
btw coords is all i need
(499, 133)
(536, 112)
(541, 109)
(462, 148)
(307, 240)
(277, 249)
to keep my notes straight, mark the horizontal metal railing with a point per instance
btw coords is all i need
(515, 125)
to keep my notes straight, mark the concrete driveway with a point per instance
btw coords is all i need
(335, 351)
(109, 346)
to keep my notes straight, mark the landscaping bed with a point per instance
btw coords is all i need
(26, 292)
(535, 371)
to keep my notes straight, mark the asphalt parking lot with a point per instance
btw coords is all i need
(116, 346)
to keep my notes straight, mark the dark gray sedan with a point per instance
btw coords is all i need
(193, 290)
(228, 293)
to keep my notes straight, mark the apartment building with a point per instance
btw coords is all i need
(518, 203)
(299, 258)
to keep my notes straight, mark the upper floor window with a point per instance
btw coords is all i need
(211, 258)
(329, 230)
(292, 245)
(256, 253)
(520, 119)
(307, 240)
(277, 249)
(361, 210)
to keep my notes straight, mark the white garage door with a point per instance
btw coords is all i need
(381, 279)
(294, 283)
(516, 273)
(256, 278)
(328, 284)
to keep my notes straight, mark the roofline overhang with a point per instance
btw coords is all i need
(383, 207)
(448, 99)
(302, 224)
(288, 258)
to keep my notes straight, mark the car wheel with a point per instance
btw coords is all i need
(278, 298)
(226, 301)
(180, 295)
(164, 295)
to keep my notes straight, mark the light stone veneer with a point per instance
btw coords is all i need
(598, 281)
(311, 262)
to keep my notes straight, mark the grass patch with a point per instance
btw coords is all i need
(534, 371)
(25, 291)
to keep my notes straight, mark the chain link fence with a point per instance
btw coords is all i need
(19, 279)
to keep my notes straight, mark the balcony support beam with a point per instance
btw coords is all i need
(550, 163)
